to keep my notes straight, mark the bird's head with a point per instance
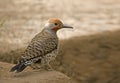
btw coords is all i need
(55, 24)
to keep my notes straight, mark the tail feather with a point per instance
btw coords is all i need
(19, 67)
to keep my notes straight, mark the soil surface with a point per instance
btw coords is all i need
(86, 59)
(29, 76)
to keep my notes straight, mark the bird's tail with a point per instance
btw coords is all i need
(23, 63)
(19, 67)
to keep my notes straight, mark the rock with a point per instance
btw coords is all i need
(31, 76)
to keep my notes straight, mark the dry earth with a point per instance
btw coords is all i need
(94, 58)
(29, 76)
(86, 59)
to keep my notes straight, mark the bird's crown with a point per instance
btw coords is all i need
(55, 24)
(56, 21)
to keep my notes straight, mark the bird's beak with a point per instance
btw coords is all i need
(66, 26)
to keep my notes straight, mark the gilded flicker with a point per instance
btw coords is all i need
(43, 47)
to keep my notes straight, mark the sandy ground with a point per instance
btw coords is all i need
(93, 59)
(86, 59)
(30, 76)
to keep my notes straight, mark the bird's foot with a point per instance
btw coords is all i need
(50, 69)
(36, 67)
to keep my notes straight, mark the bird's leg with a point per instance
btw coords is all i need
(38, 65)
(32, 66)
(49, 67)
(35, 66)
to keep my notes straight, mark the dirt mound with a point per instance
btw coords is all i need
(94, 58)
(87, 59)
(30, 76)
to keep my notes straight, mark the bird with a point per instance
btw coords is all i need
(43, 47)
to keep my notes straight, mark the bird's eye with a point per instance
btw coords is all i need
(56, 23)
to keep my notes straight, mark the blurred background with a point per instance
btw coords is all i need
(89, 53)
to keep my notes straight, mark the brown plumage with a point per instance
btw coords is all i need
(43, 46)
